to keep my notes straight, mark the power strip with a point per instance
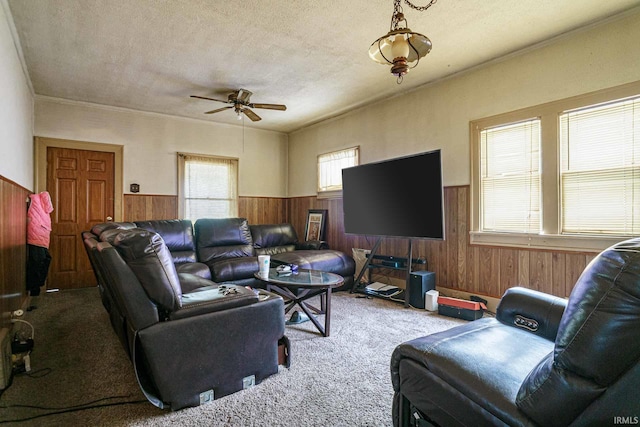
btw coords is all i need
(6, 367)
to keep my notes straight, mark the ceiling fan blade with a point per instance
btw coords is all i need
(244, 95)
(253, 116)
(270, 106)
(209, 99)
(218, 110)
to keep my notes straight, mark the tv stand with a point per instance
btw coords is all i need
(390, 262)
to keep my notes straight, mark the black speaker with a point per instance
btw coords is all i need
(419, 283)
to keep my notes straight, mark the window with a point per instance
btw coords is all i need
(563, 175)
(600, 169)
(510, 178)
(330, 167)
(208, 186)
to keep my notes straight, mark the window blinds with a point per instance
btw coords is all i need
(510, 177)
(600, 169)
(210, 187)
(330, 167)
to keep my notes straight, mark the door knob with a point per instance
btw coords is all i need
(109, 218)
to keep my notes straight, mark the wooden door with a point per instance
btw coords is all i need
(81, 185)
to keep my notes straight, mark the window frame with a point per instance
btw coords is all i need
(181, 157)
(550, 236)
(337, 193)
(528, 175)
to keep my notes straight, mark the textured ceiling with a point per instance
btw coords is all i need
(311, 55)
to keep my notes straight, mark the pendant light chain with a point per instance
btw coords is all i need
(420, 8)
(398, 13)
(397, 16)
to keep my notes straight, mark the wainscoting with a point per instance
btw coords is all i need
(13, 245)
(257, 210)
(147, 206)
(458, 265)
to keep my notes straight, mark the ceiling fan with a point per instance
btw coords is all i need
(240, 102)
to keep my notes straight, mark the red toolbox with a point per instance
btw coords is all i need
(460, 308)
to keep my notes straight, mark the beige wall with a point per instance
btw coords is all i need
(151, 141)
(16, 111)
(438, 115)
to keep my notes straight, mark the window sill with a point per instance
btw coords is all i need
(545, 241)
(333, 194)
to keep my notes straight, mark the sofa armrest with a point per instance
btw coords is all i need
(214, 350)
(533, 311)
(312, 245)
(214, 298)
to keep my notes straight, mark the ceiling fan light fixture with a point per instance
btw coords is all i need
(241, 103)
(400, 47)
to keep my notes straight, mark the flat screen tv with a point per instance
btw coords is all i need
(401, 197)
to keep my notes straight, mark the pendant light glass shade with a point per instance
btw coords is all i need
(400, 47)
(382, 50)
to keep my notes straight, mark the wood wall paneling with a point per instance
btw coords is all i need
(481, 270)
(257, 210)
(144, 207)
(263, 210)
(13, 247)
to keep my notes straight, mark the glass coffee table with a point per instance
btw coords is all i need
(297, 288)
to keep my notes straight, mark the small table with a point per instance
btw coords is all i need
(298, 287)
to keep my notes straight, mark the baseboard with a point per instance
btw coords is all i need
(492, 303)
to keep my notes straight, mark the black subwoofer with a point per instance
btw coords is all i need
(419, 283)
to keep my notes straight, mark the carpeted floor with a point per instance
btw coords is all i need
(342, 380)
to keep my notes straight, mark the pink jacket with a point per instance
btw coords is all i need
(38, 219)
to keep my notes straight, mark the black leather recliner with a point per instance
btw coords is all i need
(543, 361)
(190, 340)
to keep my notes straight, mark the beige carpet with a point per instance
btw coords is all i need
(342, 380)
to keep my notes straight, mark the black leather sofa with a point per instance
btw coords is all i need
(226, 250)
(542, 361)
(190, 340)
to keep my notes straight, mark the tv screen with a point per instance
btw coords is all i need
(401, 197)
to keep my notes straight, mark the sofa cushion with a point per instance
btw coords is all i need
(177, 235)
(270, 239)
(148, 257)
(110, 234)
(598, 339)
(196, 268)
(222, 238)
(232, 269)
(98, 229)
(190, 282)
(324, 260)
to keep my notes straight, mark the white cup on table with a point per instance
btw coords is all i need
(264, 261)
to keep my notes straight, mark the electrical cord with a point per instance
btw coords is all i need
(40, 373)
(63, 410)
(58, 408)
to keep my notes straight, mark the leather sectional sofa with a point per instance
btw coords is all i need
(226, 250)
(542, 361)
(190, 340)
(187, 308)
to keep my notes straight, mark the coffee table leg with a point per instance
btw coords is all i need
(327, 313)
(313, 318)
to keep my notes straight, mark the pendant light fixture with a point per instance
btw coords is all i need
(400, 47)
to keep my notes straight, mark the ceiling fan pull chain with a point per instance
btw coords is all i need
(421, 8)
